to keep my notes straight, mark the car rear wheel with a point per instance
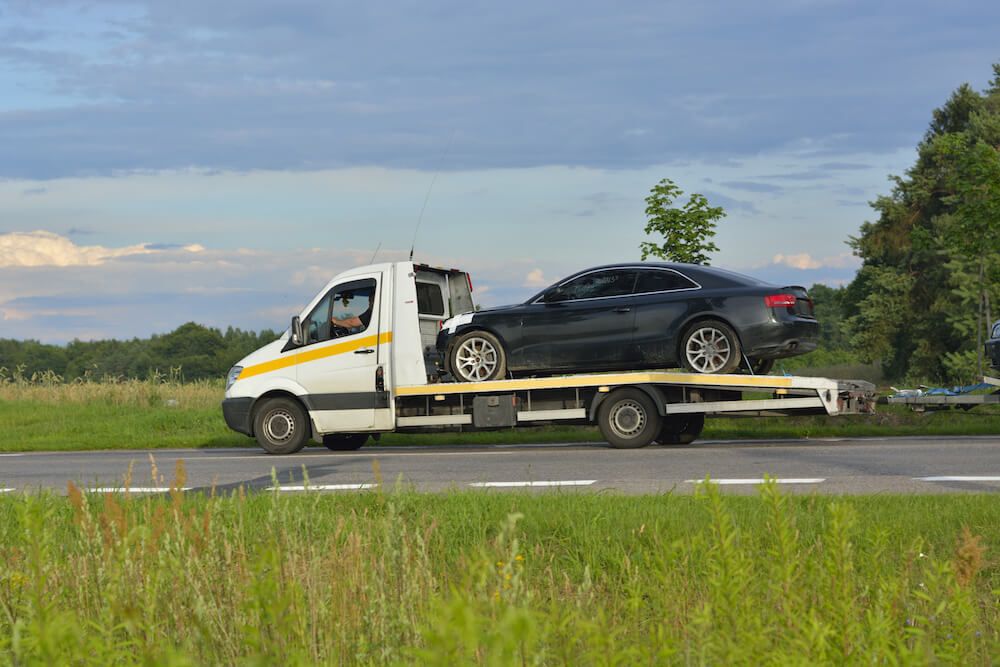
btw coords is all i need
(710, 346)
(628, 419)
(344, 442)
(478, 356)
(680, 429)
(281, 426)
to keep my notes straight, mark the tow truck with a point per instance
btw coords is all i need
(360, 361)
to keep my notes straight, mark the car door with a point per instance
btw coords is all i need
(584, 323)
(339, 375)
(663, 299)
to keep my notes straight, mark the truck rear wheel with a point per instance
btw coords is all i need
(344, 442)
(628, 419)
(281, 426)
(680, 429)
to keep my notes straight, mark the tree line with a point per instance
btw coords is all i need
(189, 352)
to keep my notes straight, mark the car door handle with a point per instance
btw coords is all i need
(367, 350)
(623, 309)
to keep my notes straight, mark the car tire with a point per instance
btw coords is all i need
(477, 356)
(710, 347)
(628, 419)
(344, 442)
(281, 426)
(761, 366)
(680, 429)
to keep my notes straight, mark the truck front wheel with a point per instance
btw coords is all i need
(281, 426)
(628, 419)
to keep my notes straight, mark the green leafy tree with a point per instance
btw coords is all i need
(930, 263)
(687, 230)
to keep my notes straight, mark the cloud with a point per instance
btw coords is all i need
(535, 278)
(42, 248)
(146, 84)
(752, 186)
(807, 261)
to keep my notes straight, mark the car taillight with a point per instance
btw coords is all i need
(780, 301)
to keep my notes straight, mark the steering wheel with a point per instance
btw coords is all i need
(337, 331)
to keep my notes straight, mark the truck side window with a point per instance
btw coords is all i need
(349, 303)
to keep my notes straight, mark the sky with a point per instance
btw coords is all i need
(170, 161)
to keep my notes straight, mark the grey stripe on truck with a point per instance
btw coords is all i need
(355, 400)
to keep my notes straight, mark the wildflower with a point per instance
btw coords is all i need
(499, 564)
(519, 558)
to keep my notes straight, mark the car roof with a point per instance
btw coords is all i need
(688, 269)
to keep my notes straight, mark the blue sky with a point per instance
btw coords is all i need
(173, 161)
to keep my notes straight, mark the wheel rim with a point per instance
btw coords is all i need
(708, 350)
(476, 359)
(279, 426)
(628, 419)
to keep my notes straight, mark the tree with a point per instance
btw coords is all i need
(687, 231)
(931, 262)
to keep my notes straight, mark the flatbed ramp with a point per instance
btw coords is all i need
(626, 405)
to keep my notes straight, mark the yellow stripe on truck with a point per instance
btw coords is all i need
(596, 380)
(317, 353)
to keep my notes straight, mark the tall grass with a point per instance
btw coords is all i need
(479, 578)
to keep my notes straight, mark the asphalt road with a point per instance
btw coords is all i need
(829, 466)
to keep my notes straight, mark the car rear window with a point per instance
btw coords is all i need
(662, 280)
(430, 300)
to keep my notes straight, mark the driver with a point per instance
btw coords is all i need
(356, 322)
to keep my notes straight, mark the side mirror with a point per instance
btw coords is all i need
(297, 337)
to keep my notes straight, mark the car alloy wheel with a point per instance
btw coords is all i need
(478, 358)
(711, 347)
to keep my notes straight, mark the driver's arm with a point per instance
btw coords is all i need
(349, 323)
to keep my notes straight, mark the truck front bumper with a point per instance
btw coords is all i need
(236, 412)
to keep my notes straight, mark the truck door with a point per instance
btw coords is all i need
(342, 336)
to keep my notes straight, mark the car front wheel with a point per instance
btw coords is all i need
(478, 356)
(710, 346)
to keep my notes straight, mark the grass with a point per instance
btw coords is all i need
(48, 414)
(497, 579)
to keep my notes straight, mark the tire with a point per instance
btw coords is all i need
(628, 419)
(680, 429)
(710, 347)
(761, 366)
(344, 442)
(477, 356)
(281, 426)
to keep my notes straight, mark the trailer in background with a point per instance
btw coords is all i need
(920, 401)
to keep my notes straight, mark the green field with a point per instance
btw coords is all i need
(498, 579)
(149, 414)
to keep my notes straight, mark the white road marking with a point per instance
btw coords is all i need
(324, 487)
(784, 480)
(3, 455)
(135, 489)
(571, 482)
(960, 478)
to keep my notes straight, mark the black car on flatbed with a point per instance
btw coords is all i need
(633, 317)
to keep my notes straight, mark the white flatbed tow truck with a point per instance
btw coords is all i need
(359, 361)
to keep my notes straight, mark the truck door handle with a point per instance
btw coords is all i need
(623, 309)
(366, 350)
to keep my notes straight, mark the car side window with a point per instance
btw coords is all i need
(661, 280)
(595, 285)
(350, 304)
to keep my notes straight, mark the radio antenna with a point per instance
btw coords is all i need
(375, 254)
(427, 197)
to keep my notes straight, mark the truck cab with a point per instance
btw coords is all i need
(369, 328)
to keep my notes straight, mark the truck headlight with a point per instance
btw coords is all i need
(234, 373)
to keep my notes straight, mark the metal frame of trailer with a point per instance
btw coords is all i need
(577, 398)
(966, 401)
